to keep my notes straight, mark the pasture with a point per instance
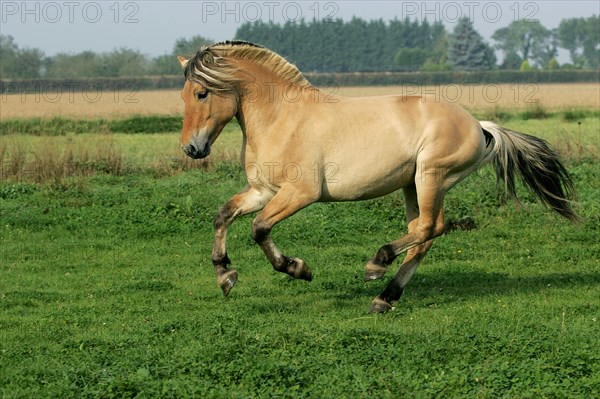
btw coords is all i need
(107, 287)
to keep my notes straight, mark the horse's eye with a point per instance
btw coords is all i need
(201, 95)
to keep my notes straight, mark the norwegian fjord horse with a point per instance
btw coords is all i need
(301, 145)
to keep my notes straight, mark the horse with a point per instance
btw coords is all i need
(302, 145)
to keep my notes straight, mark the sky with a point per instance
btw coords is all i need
(152, 26)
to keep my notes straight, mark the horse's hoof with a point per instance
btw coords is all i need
(380, 306)
(227, 281)
(301, 270)
(374, 271)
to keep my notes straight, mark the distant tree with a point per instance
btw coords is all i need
(529, 39)
(123, 62)
(16, 63)
(439, 50)
(9, 60)
(591, 46)
(581, 37)
(511, 61)
(525, 66)
(188, 47)
(87, 64)
(8, 57)
(543, 53)
(167, 64)
(466, 49)
(571, 35)
(411, 59)
(553, 64)
(81, 65)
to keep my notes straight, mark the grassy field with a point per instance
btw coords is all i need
(107, 288)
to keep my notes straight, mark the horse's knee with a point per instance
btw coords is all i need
(222, 216)
(260, 230)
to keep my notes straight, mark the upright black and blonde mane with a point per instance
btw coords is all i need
(211, 67)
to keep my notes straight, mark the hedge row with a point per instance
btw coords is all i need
(318, 79)
(60, 126)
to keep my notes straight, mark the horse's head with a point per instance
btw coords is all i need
(207, 111)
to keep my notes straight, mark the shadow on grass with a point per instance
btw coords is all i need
(454, 286)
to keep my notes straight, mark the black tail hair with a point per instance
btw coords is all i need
(536, 162)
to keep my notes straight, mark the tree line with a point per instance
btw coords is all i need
(356, 45)
(404, 45)
(334, 45)
(18, 63)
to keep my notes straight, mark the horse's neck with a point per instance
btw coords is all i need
(261, 104)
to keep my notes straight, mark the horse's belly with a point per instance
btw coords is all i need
(356, 184)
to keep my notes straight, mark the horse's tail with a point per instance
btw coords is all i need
(535, 161)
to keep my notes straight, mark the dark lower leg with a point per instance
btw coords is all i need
(226, 278)
(377, 266)
(242, 203)
(394, 289)
(293, 267)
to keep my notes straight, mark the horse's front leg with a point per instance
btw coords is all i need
(287, 202)
(246, 201)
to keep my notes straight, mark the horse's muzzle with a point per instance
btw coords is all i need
(192, 150)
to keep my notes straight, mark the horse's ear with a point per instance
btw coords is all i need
(183, 61)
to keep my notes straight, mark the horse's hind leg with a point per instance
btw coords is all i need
(413, 258)
(378, 265)
(393, 291)
(284, 204)
(422, 229)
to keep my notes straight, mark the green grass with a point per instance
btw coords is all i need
(107, 290)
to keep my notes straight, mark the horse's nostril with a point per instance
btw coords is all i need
(194, 150)
(190, 149)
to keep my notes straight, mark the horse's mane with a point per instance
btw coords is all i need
(211, 67)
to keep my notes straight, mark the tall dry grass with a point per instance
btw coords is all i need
(51, 162)
(104, 104)
(483, 97)
(43, 159)
(555, 96)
